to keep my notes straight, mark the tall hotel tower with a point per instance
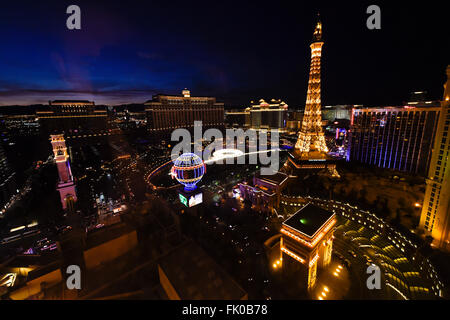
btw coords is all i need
(435, 217)
(310, 148)
(66, 185)
(166, 113)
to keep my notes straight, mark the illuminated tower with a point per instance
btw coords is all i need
(435, 217)
(307, 243)
(66, 185)
(310, 149)
(311, 138)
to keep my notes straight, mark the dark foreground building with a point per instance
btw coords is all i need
(188, 273)
(7, 180)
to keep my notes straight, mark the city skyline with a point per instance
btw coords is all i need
(168, 156)
(120, 56)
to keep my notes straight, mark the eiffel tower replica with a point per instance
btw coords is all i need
(310, 152)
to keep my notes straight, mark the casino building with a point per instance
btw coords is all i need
(399, 138)
(260, 116)
(166, 113)
(306, 243)
(435, 216)
(237, 118)
(264, 192)
(74, 118)
(268, 116)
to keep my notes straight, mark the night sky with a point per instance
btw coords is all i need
(235, 50)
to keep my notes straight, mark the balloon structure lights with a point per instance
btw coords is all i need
(188, 169)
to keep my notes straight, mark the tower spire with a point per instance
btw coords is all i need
(311, 137)
(310, 145)
(317, 35)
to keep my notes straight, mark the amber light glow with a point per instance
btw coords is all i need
(315, 240)
(293, 255)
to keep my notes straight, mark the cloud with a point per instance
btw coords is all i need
(36, 96)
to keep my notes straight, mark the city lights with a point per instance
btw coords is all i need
(183, 156)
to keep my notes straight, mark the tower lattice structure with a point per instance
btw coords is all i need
(311, 140)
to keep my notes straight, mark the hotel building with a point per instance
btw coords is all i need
(338, 112)
(166, 113)
(268, 116)
(435, 217)
(398, 138)
(260, 116)
(74, 118)
(237, 118)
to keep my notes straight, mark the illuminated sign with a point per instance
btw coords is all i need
(191, 200)
(183, 199)
(195, 199)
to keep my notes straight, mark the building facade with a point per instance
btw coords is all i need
(166, 113)
(435, 216)
(66, 184)
(268, 116)
(260, 116)
(237, 118)
(74, 118)
(338, 112)
(398, 138)
(7, 179)
(264, 192)
(306, 242)
(294, 121)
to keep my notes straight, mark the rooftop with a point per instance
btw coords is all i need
(196, 276)
(309, 219)
(105, 234)
(276, 178)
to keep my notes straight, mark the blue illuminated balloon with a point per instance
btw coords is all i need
(188, 169)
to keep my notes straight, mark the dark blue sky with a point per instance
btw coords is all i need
(235, 50)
